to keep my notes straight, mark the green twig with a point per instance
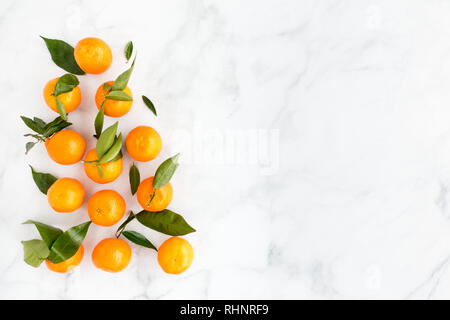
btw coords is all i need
(123, 225)
(151, 198)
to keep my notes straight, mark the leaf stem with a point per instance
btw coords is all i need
(123, 225)
(97, 164)
(38, 137)
(99, 168)
(90, 161)
(151, 198)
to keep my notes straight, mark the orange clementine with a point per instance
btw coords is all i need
(71, 100)
(143, 143)
(162, 197)
(66, 195)
(111, 254)
(106, 207)
(69, 264)
(175, 255)
(113, 108)
(66, 147)
(93, 55)
(111, 170)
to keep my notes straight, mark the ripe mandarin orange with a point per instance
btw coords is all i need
(93, 55)
(111, 254)
(111, 170)
(66, 195)
(106, 208)
(71, 100)
(113, 108)
(175, 255)
(162, 198)
(66, 147)
(143, 143)
(69, 264)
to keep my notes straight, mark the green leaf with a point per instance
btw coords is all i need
(34, 252)
(122, 80)
(106, 87)
(68, 243)
(128, 50)
(61, 109)
(43, 180)
(28, 146)
(149, 104)
(40, 122)
(54, 122)
(165, 221)
(98, 123)
(139, 239)
(106, 140)
(62, 55)
(33, 125)
(46, 130)
(118, 95)
(42, 129)
(117, 157)
(113, 151)
(165, 171)
(135, 179)
(48, 233)
(66, 83)
(56, 125)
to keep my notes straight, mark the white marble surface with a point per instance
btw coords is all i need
(345, 194)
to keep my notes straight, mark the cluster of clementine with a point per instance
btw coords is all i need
(105, 207)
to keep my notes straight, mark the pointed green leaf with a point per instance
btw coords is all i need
(55, 126)
(40, 122)
(48, 233)
(68, 243)
(113, 151)
(34, 252)
(149, 104)
(106, 88)
(98, 123)
(118, 95)
(66, 83)
(62, 55)
(165, 171)
(122, 80)
(33, 125)
(106, 140)
(135, 179)
(128, 50)
(166, 221)
(139, 239)
(43, 180)
(117, 157)
(61, 109)
(28, 146)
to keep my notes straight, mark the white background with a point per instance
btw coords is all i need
(356, 93)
